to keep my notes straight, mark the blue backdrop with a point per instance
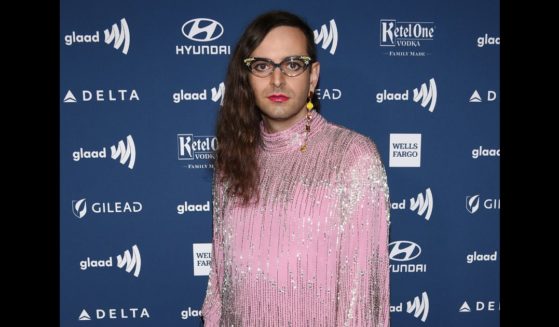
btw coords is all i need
(140, 86)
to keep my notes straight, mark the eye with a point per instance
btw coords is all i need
(260, 66)
(294, 65)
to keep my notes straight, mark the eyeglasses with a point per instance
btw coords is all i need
(290, 66)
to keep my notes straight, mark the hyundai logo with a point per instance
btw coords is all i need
(202, 29)
(404, 250)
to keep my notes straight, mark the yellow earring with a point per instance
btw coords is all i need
(309, 103)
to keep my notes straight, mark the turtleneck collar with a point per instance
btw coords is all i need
(293, 137)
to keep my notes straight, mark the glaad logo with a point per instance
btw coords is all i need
(473, 203)
(79, 208)
(470, 258)
(125, 152)
(121, 37)
(184, 208)
(327, 37)
(475, 97)
(202, 256)
(133, 261)
(185, 314)
(103, 95)
(405, 251)
(480, 306)
(405, 150)
(488, 40)
(121, 313)
(419, 307)
(422, 203)
(192, 147)
(218, 94)
(427, 95)
(202, 30)
(481, 152)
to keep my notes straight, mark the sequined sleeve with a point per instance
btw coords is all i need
(211, 309)
(363, 277)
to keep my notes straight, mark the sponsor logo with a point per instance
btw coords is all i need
(474, 203)
(476, 97)
(113, 313)
(327, 37)
(202, 30)
(199, 150)
(477, 257)
(128, 261)
(485, 152)
(120, 95)
(125, 153)
(188, 207)
(480, 306)
(202, 256)
(424, 95)
(119, 36)
(405, 39)
(79, 207)
(404, 251)
(488, 40)
(216, 95)
(419, 307)
(185, 314)
(405, 150)
(328, 94)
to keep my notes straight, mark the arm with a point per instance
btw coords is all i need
(211, 309)
(363, 274)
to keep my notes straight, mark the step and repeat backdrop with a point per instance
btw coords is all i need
(141, 83)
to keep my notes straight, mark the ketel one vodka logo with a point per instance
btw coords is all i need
(131, 262)
(192, 147)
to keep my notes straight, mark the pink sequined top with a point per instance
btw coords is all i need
(314, 250)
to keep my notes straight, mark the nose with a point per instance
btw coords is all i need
(277, 78)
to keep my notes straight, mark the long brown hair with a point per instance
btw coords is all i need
(238, 120)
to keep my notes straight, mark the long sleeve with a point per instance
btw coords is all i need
(363, 273)
(211, 309)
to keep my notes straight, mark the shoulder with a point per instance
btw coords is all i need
(354, 144)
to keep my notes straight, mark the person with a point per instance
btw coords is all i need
(300, 205)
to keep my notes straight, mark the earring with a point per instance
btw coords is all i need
(310, 106)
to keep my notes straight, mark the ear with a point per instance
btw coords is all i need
(315, 73)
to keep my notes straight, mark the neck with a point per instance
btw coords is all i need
(278, 125)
